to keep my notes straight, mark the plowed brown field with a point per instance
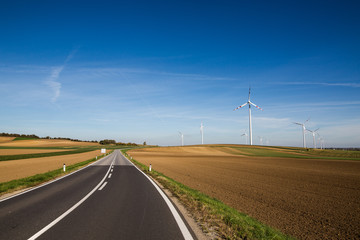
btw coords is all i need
(305, 198)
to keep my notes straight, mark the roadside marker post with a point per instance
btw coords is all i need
(64, 167)
(150, 168)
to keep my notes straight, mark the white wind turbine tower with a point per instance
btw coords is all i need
(321, 139)
(202, 132)
(182, 138)
(246, 139)
(313, 134)
(303, 130)
(249, 103)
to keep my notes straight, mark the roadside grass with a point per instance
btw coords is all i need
(48, 154)
(213, 214)
(38, 179)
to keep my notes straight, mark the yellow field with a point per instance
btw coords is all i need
(15, 169)
(6, 139)
(28, 151)
(7, 142)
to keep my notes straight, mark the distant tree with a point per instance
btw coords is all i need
(144, 143)
(107, 141)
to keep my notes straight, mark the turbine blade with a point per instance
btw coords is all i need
(297, 123)
(256, 106)
(249, 92)
(316, 129)
(240, 106)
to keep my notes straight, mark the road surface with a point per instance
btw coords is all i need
(111, 199)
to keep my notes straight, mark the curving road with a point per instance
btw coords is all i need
(110, 199)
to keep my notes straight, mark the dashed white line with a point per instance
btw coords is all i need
(104, 184)
(110, 175)
(50, 225)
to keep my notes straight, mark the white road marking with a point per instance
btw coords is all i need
(109, 175)
(184, 230)
(104, 184)
(50, 225)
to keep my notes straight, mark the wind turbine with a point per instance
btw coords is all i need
(182, 138)
(303, 130)
(261, 140)
(249, 103)
(313, 134)
(246, 139)
(202, 132)
(321, 139)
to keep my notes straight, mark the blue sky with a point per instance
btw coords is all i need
(140, 71)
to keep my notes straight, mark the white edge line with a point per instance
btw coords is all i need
(39, 233)
(43, 185)
(184, 230)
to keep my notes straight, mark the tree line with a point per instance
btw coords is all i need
(111, 141)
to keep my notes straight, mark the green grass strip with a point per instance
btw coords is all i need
(38, 155)
(41, 178)
(230, 223)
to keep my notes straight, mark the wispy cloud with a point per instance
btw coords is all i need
(53, 82)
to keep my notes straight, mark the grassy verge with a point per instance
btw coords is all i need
(38, 179)
(212, 214)
(38, 155)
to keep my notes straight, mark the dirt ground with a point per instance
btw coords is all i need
(28, 151)
(15, 169)
(305, 198)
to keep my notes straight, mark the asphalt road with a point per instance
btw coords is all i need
(110, 199)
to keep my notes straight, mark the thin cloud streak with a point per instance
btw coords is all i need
(53, 82)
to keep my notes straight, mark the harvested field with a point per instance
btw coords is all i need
(10, 170)
(28, 151)
(45, 143)
(6, 139)
(303, 197)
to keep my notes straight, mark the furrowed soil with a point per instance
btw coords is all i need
(15, 169)
(305, 198)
